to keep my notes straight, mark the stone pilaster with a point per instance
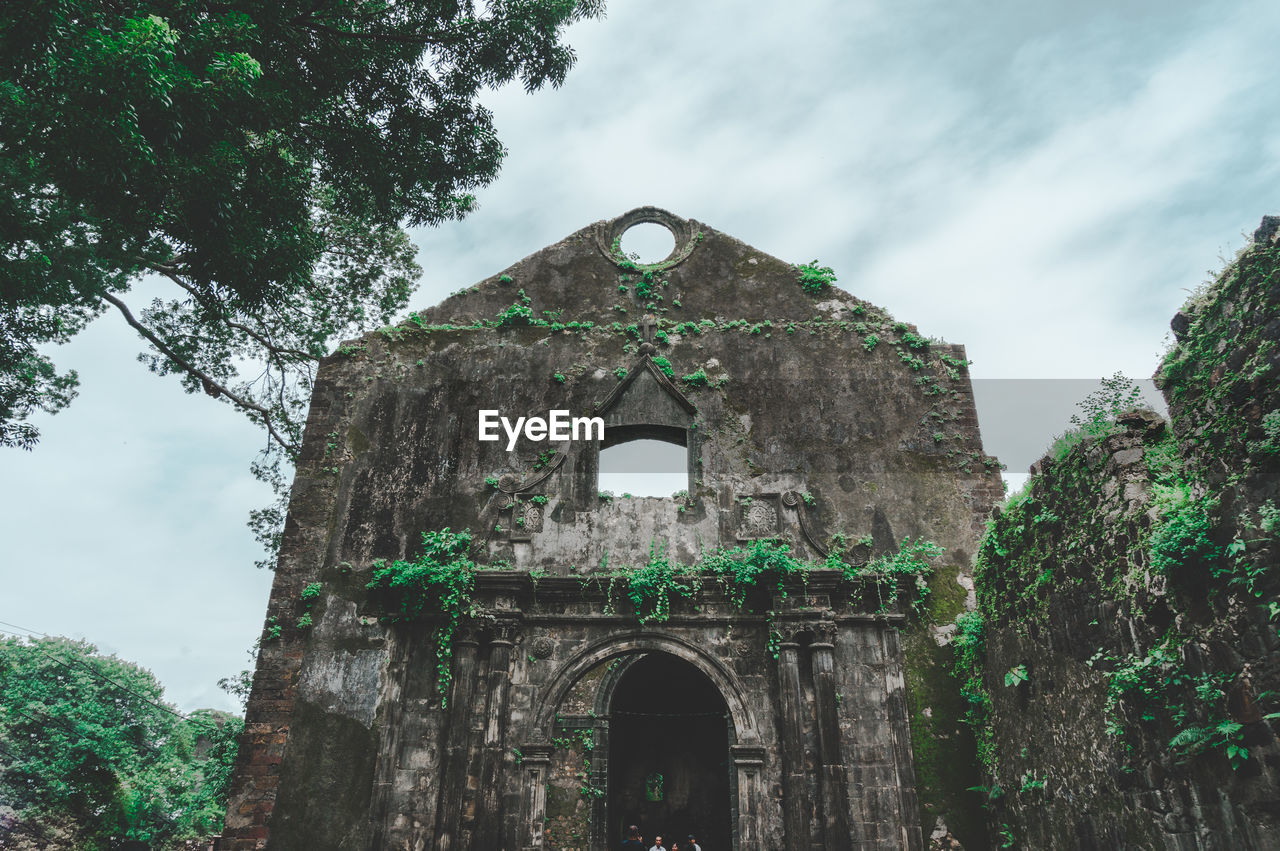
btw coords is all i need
(795, 794)
(832, 778)
(489, 815)
(536, 762)
(457, 742)
(748, 763)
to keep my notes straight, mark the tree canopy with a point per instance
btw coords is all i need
(90, 755)
(257, 161)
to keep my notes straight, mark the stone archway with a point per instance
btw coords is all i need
(745, 725)
(669, 769)
(741, 755)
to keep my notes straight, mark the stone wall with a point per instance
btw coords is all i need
(1128, 601)
(811, 418)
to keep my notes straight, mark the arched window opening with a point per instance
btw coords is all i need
(644, 461)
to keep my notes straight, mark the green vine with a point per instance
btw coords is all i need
(438, 582)
(650, 586)
(584, 741)
(519, 313)
(969, 646)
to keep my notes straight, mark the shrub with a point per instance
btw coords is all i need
(814, 278)
(1182, 537)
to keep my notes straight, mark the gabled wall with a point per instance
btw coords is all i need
(809, 415)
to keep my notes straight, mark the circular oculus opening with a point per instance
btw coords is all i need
(647, 243)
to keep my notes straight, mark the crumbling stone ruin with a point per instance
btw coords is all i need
(469, 648)
(1124, 662)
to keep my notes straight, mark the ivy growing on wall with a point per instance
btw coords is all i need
(969, 643)
(438, 583)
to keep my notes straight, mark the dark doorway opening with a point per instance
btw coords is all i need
(669, 755)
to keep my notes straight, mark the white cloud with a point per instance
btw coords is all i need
(1056, 236)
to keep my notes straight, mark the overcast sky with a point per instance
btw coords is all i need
(1042, 182)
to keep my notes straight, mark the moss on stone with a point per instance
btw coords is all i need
(942, 744)
(946, 595)
(562, 802)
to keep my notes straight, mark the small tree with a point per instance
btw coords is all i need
(1098, 410)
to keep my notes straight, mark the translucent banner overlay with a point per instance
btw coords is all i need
(1019, 418)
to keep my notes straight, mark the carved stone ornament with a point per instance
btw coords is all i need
(542, 647)
(532, 517)
(520, 518)
(796, 501)
(758, 517)
(506, 631)
(824, 631)
(467, 633)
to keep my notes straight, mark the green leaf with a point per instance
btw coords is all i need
(1016, 676)
(259, 161)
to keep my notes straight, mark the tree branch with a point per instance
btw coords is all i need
(213, 307)
(406, 38)
(267, 344)
(210, 385)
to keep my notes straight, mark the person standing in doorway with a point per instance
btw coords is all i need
(634, 841)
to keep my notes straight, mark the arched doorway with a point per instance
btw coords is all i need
(669, 768)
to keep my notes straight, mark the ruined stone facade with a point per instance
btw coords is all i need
(1135, 586)
(781, 720)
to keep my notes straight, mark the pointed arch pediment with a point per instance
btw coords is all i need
(645, 369)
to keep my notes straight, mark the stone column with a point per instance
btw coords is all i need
(833, 779)
(795, 795)
(384, 803)
(489, 812)
(536, 761)
(748, 763)
(405, 795)
(457, 743)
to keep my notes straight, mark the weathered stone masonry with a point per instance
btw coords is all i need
(804, 416)
(1126, 656)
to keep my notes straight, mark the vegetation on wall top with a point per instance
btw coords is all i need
(814, 278)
